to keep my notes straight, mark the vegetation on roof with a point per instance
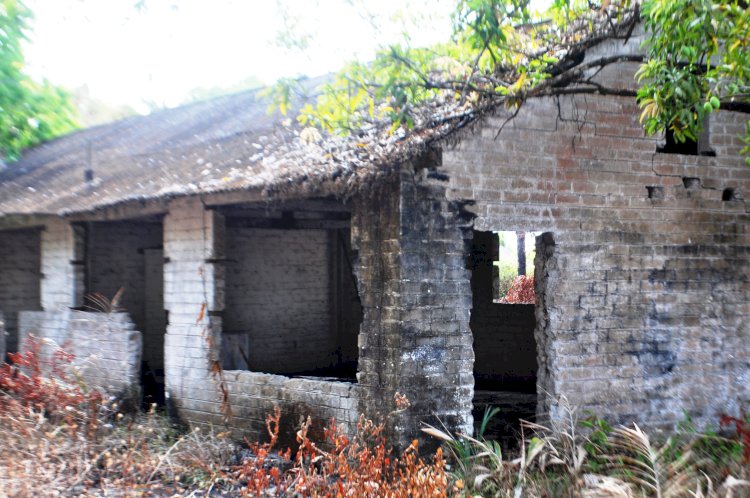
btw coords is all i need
(694, 61)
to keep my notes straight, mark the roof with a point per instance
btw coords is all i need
(229, 143)
(224, 144)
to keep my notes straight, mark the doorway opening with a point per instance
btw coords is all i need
(503, 323)
(126, 259)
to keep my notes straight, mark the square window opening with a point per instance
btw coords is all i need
(291, 301)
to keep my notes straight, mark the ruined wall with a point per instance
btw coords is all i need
(647, 285)
(376, 249)
(194, 245)
(20, 276)
(435, 353)
(278, 298)
(107, 347)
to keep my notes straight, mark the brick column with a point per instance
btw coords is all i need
(193, 293)
(62, 266)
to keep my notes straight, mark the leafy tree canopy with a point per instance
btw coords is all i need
(695, 60)
(30, 112)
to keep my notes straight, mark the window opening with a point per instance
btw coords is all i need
(513, 267)
(689, 147)
(292, 306)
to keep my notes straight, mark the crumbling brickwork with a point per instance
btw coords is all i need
(436, 354)
(106, 346)
(645, 299)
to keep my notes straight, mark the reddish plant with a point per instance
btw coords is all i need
(742, 427)
(521, 291)
(362, 465)
(41, 384)
(261, 475)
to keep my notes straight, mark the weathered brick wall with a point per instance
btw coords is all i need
(375, 244)
(20, 275)
(435, 351)
(190, 280)
(645, 308)
(106, 346)
(254, 395)
(278, 297)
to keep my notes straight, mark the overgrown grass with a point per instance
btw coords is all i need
(62, 439)
(589, 458)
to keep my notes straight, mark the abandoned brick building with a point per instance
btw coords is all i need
(327, 276)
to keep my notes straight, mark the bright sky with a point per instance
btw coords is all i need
(158, 54)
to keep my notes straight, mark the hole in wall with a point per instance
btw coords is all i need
(688, 147)
(728, 194)
(513, 257)
(655, 192)
(691, 182)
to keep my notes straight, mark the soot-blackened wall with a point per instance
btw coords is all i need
(645, 305)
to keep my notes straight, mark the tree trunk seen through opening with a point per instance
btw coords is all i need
(521, 252)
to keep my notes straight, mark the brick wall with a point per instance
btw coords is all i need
(645, 299)
(107, 347)
(20, 277)
(278, 297)
(254, 395)
(190, 281)
(376, 247)
(436, 354)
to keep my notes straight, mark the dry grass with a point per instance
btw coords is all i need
(62, 439)
(124, 458)
(600, 462)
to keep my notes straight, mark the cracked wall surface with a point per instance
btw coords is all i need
(646, 304)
